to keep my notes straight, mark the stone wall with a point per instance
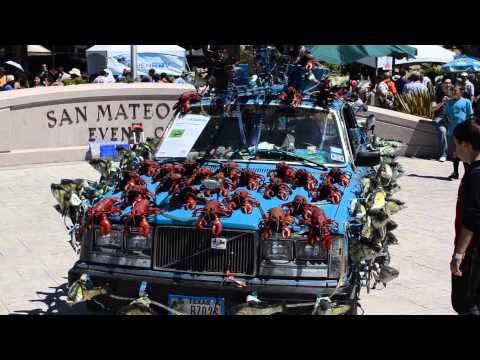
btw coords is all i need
(56, 124)
(419, 134)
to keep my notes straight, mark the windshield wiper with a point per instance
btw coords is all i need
(295, 156)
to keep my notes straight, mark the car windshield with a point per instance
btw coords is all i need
(272, 133)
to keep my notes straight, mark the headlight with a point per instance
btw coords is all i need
(278, 250)
(337, 259)
(114, 240)
(137, 241)
(304, 251)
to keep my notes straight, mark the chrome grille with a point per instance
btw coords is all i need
(189, 249)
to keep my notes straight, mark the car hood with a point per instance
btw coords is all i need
(239, 220)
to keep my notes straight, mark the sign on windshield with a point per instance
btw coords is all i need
(182, 135)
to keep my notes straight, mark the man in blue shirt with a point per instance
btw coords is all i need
(457, 110)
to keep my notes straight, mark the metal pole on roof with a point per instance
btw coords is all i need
(133, 61)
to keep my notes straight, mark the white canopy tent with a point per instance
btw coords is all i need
(169, 59)
(428, 54)
(37, 50)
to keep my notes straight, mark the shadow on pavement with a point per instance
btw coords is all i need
(55, 299)
(430, 177)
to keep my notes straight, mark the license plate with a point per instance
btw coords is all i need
(197, 305)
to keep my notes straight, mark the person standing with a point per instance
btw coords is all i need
(457, 110)
(465, 263)
(415, 85)
(469, 87)
(9, 84)
(3, 77)
(401, 82)
(441, 98)
(44, 72)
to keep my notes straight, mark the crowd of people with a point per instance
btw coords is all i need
(59, 77)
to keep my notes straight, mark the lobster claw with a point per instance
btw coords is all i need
(105, 226)
(283, 195)
(217, 227)
(191, 204)
(252, 185)
(144, 227)
(248, 208)
(232, 205)
(286, 232)
(326, 241)
(335, 198)
(200, 223)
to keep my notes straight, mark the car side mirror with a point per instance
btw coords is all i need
(367, 159)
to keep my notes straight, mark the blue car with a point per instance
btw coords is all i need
(242, 256)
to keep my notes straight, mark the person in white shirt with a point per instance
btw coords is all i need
(101, 78)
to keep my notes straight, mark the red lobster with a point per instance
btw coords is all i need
(298, 207)
(199, 174)
(304, 179)
(339, 177)
(184, 103)
(276, 221)
(188, 196)
(211, 213)
(284, 172)
(276, 187)
(100, 211)
(230, 170)
(132, 178)
(149, 168)
(251, 179)
(291, 96)
(241, 199)
(327, 191)
(170, 182)
(319, 228)
(140, 210)
(135, 192)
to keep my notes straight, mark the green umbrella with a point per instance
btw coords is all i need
(346, 54)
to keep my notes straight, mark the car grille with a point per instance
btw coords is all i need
(189, 249)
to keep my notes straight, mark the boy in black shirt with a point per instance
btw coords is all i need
(465, 264)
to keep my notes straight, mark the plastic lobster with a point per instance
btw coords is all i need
(230, 170)
(211, 213)
(189, 196)
(319, 228)
(276, 187)
(298, 207)
(170, 182)
(242, 199)
(339, 177)
(140, 210)
(199, 174)
(149, 168)
(100, 211)
(135, 192)
(132, 178)
(251, 179)
(184, 103)
(304, 179)
(292, 96)
(276, 221)
(284, 172)
(327, 191)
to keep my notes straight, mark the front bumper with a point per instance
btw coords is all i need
(125, 282)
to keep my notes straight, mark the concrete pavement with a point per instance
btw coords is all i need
(35, 255)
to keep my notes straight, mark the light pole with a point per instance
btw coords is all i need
(133, 60)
